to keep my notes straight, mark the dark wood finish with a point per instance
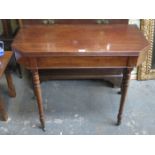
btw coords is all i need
(97, 73)
(80, 40)
(37, 91)
(7, 33)
(29, 22)
(11, 89)
(79, 46)
(3, 113)
(124, 88)
(45, 74)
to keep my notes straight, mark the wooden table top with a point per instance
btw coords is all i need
(85, 40)
(4, 60)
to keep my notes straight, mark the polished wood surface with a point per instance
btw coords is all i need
(46, 74)
(80, 46)
(4, 60)
(81, 40)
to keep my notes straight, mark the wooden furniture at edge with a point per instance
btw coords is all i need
(4, 60)
(80, 46)
(7, 36)
(80, 73)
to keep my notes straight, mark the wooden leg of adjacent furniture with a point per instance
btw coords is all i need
(3, 113)
(124, 88)
(11, 88)
(37, 91)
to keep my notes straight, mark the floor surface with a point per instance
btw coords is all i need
(79, 107)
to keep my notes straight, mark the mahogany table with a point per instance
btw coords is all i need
(4, 60)
(80, 46)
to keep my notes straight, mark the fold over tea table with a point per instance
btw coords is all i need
(80, 46)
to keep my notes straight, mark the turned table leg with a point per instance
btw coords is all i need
(11, 88)
(124, 88)
(3, 113)
(37, 91)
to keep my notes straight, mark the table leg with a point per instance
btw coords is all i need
(37, 91)
(3, 113)
(124, 88)
(11, 88)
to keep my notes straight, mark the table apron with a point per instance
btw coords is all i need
(78, 62)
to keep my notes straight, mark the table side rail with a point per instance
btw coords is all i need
(77, 62)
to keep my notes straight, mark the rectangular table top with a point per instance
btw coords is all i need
(85, 40)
